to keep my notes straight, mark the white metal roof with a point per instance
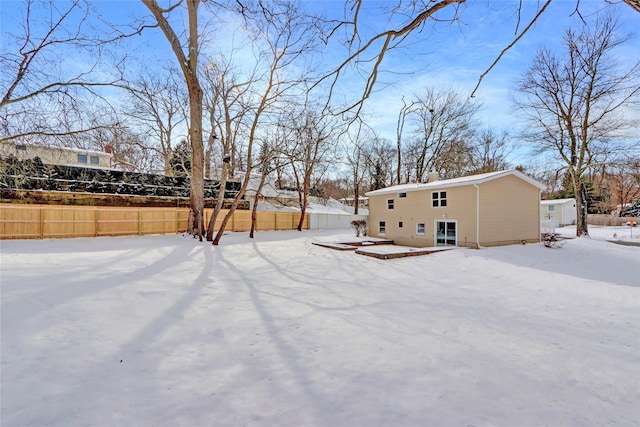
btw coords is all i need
(556, 201)
(456, 182)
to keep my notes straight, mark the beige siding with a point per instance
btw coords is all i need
(509, 212)
(55, 155)
(416, 208)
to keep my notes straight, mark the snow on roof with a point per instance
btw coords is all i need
(59, 148)
(456, 182)
(556, 201)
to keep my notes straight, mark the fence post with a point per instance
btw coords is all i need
(41, 222)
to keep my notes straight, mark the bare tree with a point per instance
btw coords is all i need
(129, 149)
(403, 21)
(379, 156)
(312, 141)
(443, 123)
(282, 34)
(622, 181)
(574, 104)
(228, 103)
(402, 118)
(156, 104)
(40, 102)
(356, 157)
(187, 52)
(489, 152)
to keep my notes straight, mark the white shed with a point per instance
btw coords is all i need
(560, 211)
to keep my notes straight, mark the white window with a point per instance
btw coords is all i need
(382, 228)
(420, 228)
(439, 199)
(389, 204)
(82, 158)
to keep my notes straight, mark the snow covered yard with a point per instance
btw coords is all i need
(167, 331)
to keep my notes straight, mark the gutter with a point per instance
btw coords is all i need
(478, 216)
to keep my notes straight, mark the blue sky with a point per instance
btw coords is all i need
(442, 54)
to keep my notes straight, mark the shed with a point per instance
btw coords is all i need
(560, 211)
(490, 209)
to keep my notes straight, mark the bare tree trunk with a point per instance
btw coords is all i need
(189, 66)
(582, 228)
(234, 205)
(254, 211)
(303, 207)
(219, 202)
(356, 200)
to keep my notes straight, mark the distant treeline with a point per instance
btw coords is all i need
(32, 174)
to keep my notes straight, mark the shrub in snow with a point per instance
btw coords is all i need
(360, 226)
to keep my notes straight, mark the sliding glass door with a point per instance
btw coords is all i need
(446, 234)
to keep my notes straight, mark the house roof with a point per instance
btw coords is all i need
(556, 201)
(14, 145)
(456, 182)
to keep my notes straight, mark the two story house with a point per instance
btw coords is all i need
(490, 209)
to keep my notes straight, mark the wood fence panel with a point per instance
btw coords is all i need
(62, 222)
(117, 222)
(157, 221)
(266, 220)
(21, 222)
(241, 221)
(85, 222)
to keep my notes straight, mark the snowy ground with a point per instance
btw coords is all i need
(167, 331)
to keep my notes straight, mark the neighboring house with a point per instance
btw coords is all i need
(363, 202)
(58, 155)
(560, 211)
(491, 209)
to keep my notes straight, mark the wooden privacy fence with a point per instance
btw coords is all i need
(49, 221)
(608, 220)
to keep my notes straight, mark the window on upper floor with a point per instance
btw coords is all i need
(400, 224)
(439, 199)
(402, 195)
(94, 160)
(82, 158)
(552, 208)
(389, 204)
(21, 147)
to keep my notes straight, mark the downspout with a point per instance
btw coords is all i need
(478, 216)
(539, 218)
